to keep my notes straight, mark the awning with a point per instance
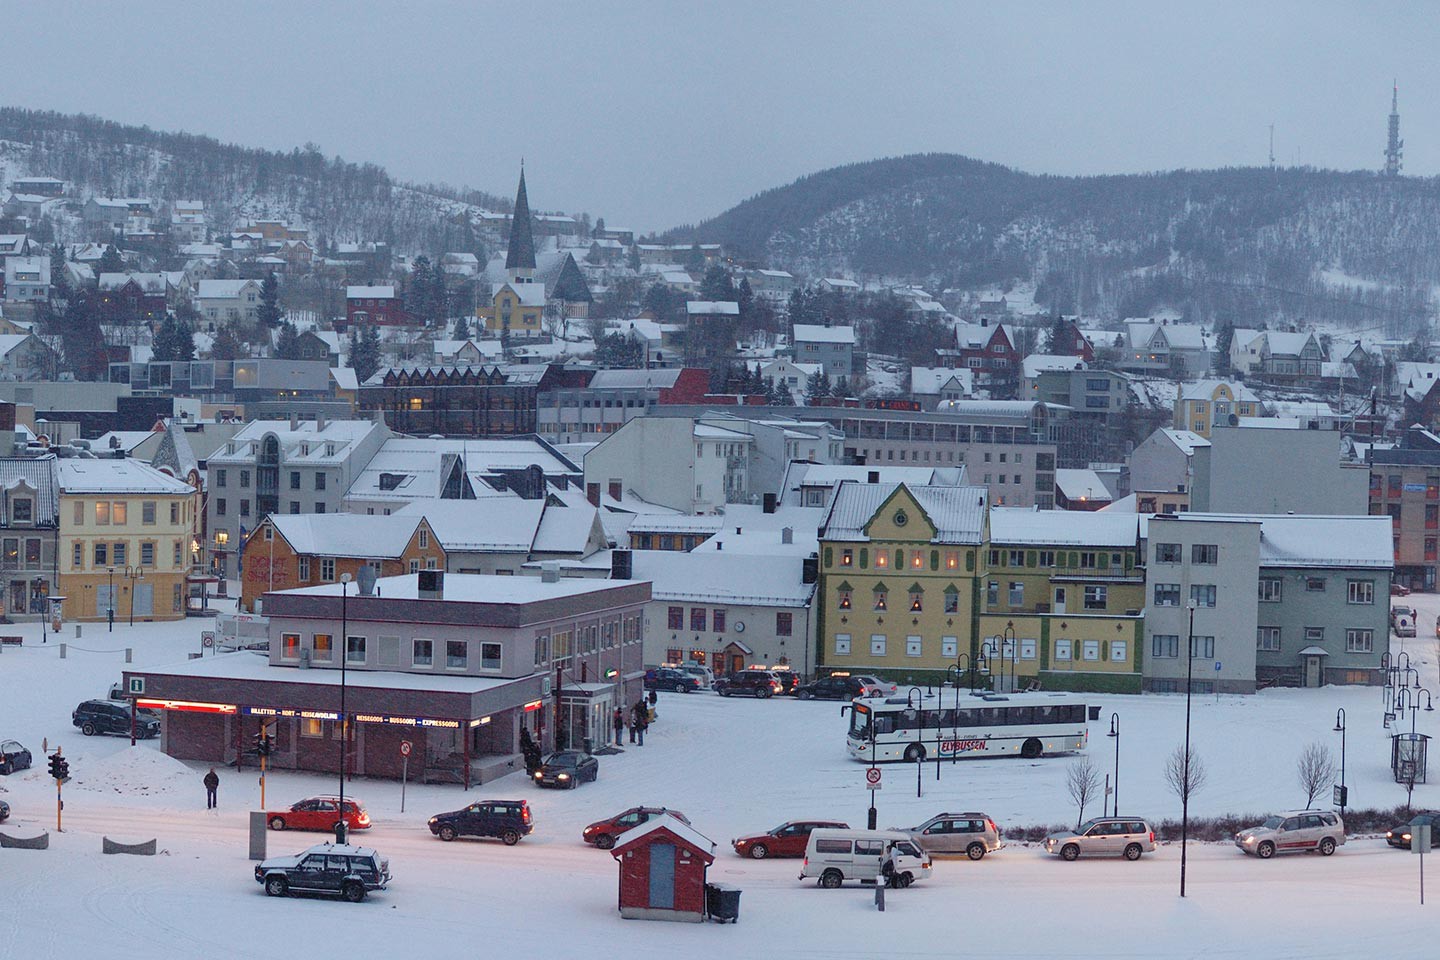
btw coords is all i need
(743, 649)
(584, 691)
(1314, 651)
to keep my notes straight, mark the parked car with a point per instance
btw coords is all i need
(668, 678)
(703, 674)
(835, 856)
(1296, 831)
(1399, 590)
(13, 756)
(789, 680)
(110, 716)
(4, 811)
(567, 768)
(875, 687)
(831, 688)
(1402, 621)
(748, 683)
(319, 813)
(973, 834)
(602, 833)
(1104, 837)
(786, 840)
(350, 872)
(506, 820)
(1400, 836)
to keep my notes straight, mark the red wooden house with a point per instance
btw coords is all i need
(662, 871)
(986, 349)
(375, 304)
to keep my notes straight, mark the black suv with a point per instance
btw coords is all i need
(748, 683)
(350, 872)
(831, 688)
(664, 678)
(1400, 836)
(507, 819)
(110, 716)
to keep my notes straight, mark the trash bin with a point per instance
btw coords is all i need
(722, 902)
(589, 745)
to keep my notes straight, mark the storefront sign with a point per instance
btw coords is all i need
(287, 713)
(406, 721)
(534, 705)
(479, 721)
(185, 706)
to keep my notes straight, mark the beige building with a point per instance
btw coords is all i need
(127, 538)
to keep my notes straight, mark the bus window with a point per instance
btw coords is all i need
(1021, 715)
(940, 718)
(1046, 714)
(832, 846)
(991, 716)
(965, 718)
(884, 723)
(908, 719)
(860, 723)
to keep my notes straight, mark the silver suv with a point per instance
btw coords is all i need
(973, 834)
(1293, 832)
(1105, 837)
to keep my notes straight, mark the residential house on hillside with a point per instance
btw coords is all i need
(27, 279)
(1177, 348)
(227, 301)
(1205, 403)
(132, 297)
(988, 352)
(933, 386)
(380, 305)
(831, 347)
(774, 285)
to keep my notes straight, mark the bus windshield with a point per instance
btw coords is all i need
(859, 723)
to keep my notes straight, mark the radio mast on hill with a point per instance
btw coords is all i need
(1394, 145)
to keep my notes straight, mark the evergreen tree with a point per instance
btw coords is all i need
(632, 260)
(365, 352)
(799, 307)
(439, 295)
(162, 345)
(184, 348)
(84, 343)
(462, 328)
(287, 342)
(1056, 336)
(718, 285)
(269, 314)
(815, 388)
(842, 387)
(59, 275)
(226, 345)
(1224, 336)
(418, 297)
(111, 261)
(694, 260)
(826, 389)
(617, 351)
(778, 395)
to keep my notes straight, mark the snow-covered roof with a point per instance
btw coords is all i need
(416, 468)
(1186, 440)
(635, 379)
(927, 381)
(1292, 540)
(248, 665)
(1185, 336)
(776, 274)
(1081, 484)
(677, 523)
(302, 443)
(117, 476)
(1018, 525)
(1036, 363)
(958, 513)
(712, 308)
(723, 577)
(1287, 344)
(221, 289)
(487, 525)
(680, 829)
(1205, 390)
(565, 529)
(975, 336)
(818, 333)
(385, 292)
(345, 534)
(475, 588)
(126, 440)
(840, 283)
(529, 294)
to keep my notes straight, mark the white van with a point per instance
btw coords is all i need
(835, 856)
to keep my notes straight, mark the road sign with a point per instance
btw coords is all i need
(405, 748)
(137, 685)
(207, 638)
(1420, 838)
(872, 778)
(1217, 666)
(1342, 795)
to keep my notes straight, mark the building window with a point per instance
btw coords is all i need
(322, 647)
(917, 601)
(1090, 649)
(845, 599)
(783, 624)
(147, 554)
(1087, 559)
(676, 618)
(1016, 593)
(949, 647)
(877, 644)
(102, 513)
(319, 480)
(1095, 597)
(219, 478)
(1165, 646)
(414, 566)
(327, 569)
(290, 646)
(880, 602)
(244, 479)
(697, 618)
(842, 644)
(1359, 641)
(1029, 649)
(847, 558)
(952, 600)
(490, 655)
(542, 651)
(422, 653)
(457, 654)
(882, 558)
(1202, 594)
(1207, 553)
(913, 646)
(354, 649)
(1267, 638)
(220, 507)
(1270, 589)
(1119, 651)
(1202, 648)
(1360, 591)
(304, 568)
(1016, 558)
(952, 559)
(1062, 650)
(22, 510)
(424, 539)
(77, 555)
(992, 593)
(1047, 558)
(1314, 635)
(1168, 594)
(312, 728)
(244, 508)
(147, 513)
(1314, 584)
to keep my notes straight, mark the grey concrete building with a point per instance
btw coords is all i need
(1164, 463)
(278, 466)
(831, 347)
(1256, 469)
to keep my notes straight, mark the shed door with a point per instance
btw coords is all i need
(144, 598)
(662, 876)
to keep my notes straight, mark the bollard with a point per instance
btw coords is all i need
(62, 651)
(77, 631)
(129, 654)
(880, 895)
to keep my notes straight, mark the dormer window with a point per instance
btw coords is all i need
(22, 510)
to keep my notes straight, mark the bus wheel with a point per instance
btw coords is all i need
(1031, 749)
(914, 752)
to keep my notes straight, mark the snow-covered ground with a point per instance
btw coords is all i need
(732, 766)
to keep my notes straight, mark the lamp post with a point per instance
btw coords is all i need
(132, 574)
(1415, 706)
(1185, 773)
(915, 699)
(1340, 729)
(342, 828)
(1115, 732)
(1007, 638)
(110, 603)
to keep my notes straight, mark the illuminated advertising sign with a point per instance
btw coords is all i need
(392, 720)
(185, 706)
(287, 713)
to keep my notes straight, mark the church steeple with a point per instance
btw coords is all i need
(520, 257)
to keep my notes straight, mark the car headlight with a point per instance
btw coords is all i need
(563, 776)
(432, 820)
(1404, 836)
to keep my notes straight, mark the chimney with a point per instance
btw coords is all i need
(984, 321)
(615, 490)
(365, 580)
(810, 569)
(873, 476)
(549, 572)
(621, 564)
(430, 585)
(319, 422)
(768, 503)
(592, 493)
(294, 422)
(737, 531)
(787, 534)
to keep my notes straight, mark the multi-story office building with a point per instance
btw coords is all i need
(464, 401)
(1405, 486)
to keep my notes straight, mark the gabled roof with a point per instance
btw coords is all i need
(722, 577)
(1205, 390)
(682, 831)
(818, 333)
(1288, 344)
(1081, 484)
(529, 294)
(39, 473)
(116, 476)
(221, 289)
(488, 525)
(957, 513)
(345, 534)
(1186, 440)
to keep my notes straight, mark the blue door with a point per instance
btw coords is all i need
(662, 876)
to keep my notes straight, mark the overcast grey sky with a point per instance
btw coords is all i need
(652, 114)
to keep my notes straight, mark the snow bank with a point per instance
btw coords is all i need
(134, 771)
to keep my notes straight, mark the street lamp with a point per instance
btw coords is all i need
(915, 699)
(132, 574)
(342, 828)
(1007, 638)
(1115, 732)
(1185, 772)
(110, 603)
(1340, 729)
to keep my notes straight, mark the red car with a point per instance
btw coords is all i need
(319, 813)
(786, 840)
(602, 833)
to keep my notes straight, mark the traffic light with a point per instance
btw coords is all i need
(262, 744)
(59, 767)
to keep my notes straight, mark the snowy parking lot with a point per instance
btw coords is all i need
(733, 766)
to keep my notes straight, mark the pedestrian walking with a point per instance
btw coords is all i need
(212, 783)
(619, 724)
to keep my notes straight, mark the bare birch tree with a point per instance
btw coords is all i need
(1083, 782)
(1186, 775)
(1315, 770)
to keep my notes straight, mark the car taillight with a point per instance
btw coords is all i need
(993, 828)
(525, 814)
(1152, 836)
(805, 862)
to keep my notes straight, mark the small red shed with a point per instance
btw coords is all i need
(662, 870)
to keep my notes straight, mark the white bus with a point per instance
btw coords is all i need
(958, 724)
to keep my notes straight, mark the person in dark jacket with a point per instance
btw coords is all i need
(640, 720)
(619, 724)
(212, 783)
